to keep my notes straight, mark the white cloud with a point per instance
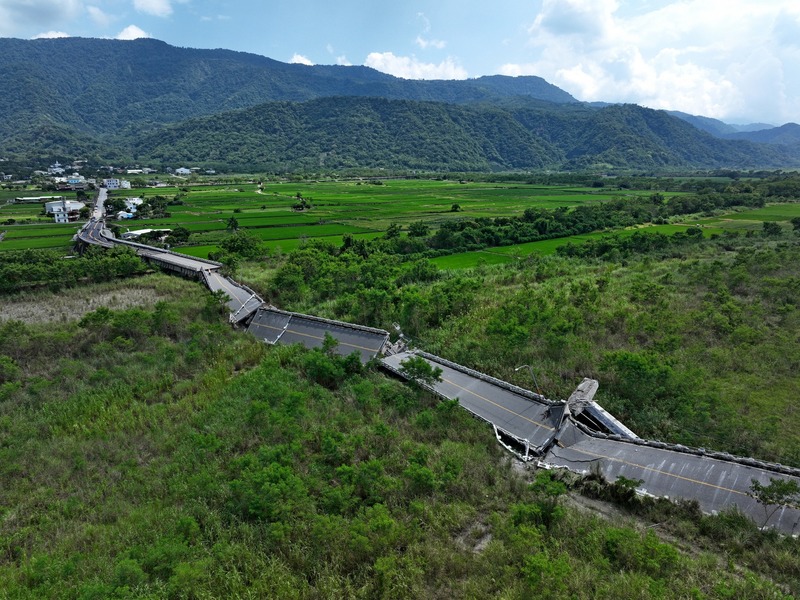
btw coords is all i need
(49, 35)
(424, 43)
(16, 15)
(731, 59)
(158, 8)
(409, 67)
(99, 17)
(342, 60)
(299, 59)
(131, 32)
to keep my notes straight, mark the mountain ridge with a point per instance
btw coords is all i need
(147, 100)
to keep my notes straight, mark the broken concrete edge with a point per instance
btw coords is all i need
(489, 379)
(613, 422)
(355, 326)
(537, 450)
(776, 468)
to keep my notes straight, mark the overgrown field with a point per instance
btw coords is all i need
(147, 449)
(155, 452)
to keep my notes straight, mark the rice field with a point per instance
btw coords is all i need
(506, 254)
(363, 209)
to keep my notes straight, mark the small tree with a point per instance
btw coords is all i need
(418, 229)
(780, 493)
(771, 228)
(393, 231)
(419, 371)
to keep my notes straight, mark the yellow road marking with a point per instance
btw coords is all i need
(225, 284)
(719, 487)
(498, 405)
(316, 337)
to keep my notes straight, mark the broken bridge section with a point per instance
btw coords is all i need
(524, 422)
(275, 326)
(242, 301)
(716, 480)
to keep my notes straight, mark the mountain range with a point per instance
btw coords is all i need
(148, 102)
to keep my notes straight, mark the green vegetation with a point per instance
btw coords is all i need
(157, 453)
(33, 268)
(149, 450)
(262, 115)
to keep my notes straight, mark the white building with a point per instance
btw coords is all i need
(64, 210)
(132, 235)
(183, 171)
(133, 204)
(116, 184)
(36, 199)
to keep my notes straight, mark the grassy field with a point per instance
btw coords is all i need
(354, 207)
(360, 208)
(507, 254)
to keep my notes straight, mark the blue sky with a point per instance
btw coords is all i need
(737, 60)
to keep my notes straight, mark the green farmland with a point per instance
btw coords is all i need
(362, 209)
(507, 254)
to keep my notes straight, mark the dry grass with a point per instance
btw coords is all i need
(71, 304)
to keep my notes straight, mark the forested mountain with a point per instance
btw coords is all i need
(374, 132)
(119, 101)
(785, 134)
(101, 85)
(719, 128)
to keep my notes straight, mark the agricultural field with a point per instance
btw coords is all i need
(752, 219)
(24, 226)
(359, 208)
(507, 254)
(363, 209)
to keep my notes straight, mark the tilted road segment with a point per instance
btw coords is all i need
(675, 472)
(277, 326)
(716, 480)
(242, 301)
(532, 424)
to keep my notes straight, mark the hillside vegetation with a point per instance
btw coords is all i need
(145, 101)
(155, 452)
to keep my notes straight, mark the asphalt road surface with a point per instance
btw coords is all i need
(275, 326)
(521, 417)
(716, 484)
(242, 302)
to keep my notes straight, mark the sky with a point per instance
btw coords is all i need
(735, 60)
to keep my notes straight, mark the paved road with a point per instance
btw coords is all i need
(92, 233)
(242, 301)
(277, 326)
(716, 484)
(523, 418)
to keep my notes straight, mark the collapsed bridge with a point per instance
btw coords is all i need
(577, 435)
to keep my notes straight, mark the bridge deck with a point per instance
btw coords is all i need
(242, 301)
(512, 413)
(273, 326)
(668, 472)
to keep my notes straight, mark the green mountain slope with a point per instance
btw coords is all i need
(148, 101)
(373, 132)
(102, 85)
(353, 132)
(788, 134)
